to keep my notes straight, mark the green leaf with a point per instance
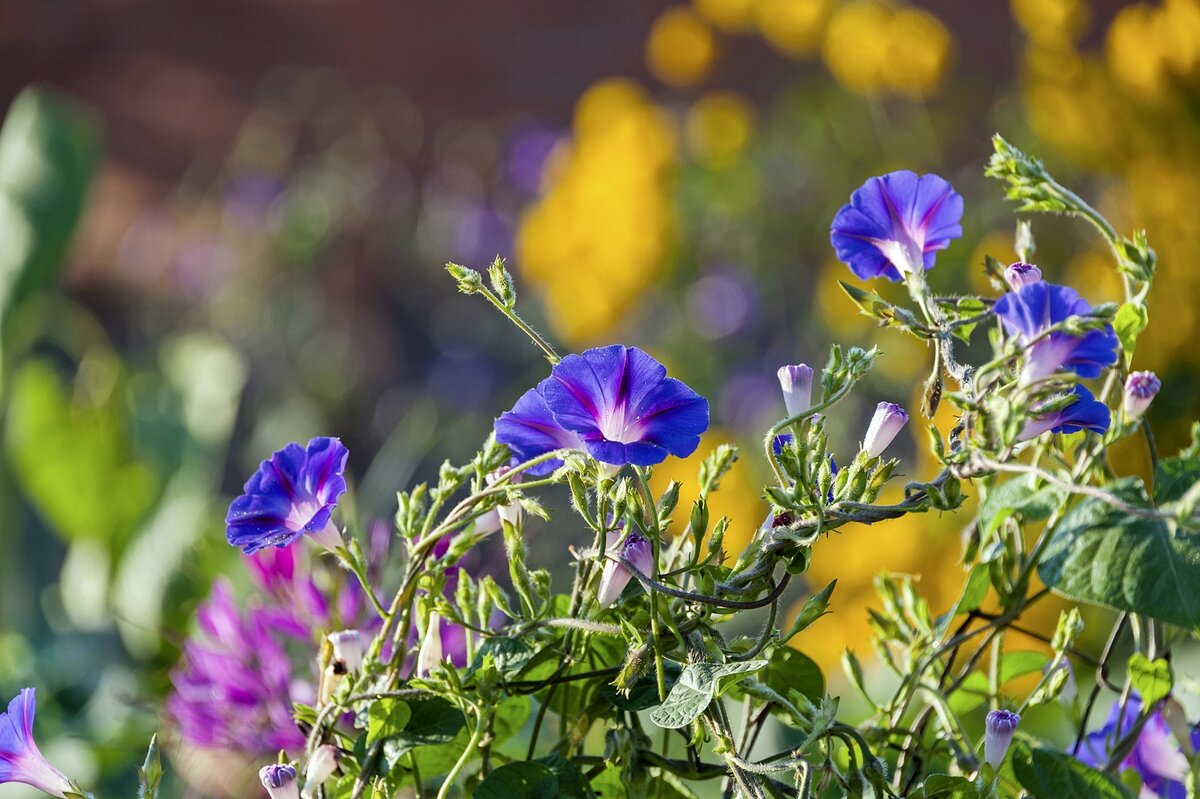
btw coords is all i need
(49, 148)
(1173, 478)
(971, 694)
(1104, 556)
(1047, 774)
(695, 689)
(431, 721)
(944, 786)
(386, 717)
(1128, 323)
(520, 780)
(571, 784)
(509, 655)
(791, 669)
(1018, 497)
(1018, 664)
(1153, 679)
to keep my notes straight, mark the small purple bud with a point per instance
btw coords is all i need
(321, 765)
(1140, 390)
(347, 649)
(1021, 274)
(796, 382)
(998, 734)
(885, 425)
(280, 781)
(637, 550)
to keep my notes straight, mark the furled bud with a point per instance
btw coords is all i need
(998, 734)
(1020, 274)
(796, 382)
(429, 656)
(347, 651)
(636, 549)
(510, 513)
(889, 418)
(1140, 390)
(321, 765)
(280, 781)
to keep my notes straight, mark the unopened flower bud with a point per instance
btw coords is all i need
(1070, 689)
(636, 549)
(347, 651)
(1140, 390)
(1020, 274)
(796, 382)
(321, 765)
(510, 513)
(429, 656)
(280, 781)
(889, 418)
(999, 728)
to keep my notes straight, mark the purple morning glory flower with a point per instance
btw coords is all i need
(1156, 756)
(894, 225)
(1085, 412)
(529, 430)
(1140, 390)
(615, 402)
(797, 383)
(1029, 311)
(20, 758)
(885, 425)
(233, 687)
(292, 493)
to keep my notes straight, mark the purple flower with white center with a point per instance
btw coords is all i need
(1033, 309)
(1140, 390)
(637, 550)
(889, 418)
(280, 781)
(1020, 274)
(999, 727)
(233, 688)
(1085, 412)
(615, 402)
(796, 382)
(530, 430)
(894, 225)
(1156, 756)
(293, 493)
(20, 758)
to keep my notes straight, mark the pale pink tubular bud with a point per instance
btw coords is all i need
(796, 382)
(1020, 274)
(1140, 390)
(280, 781)
(887, 422)
(637, 550)
(510, 513)
(999, 728)
(321, 765)
(347, 649)
(429, 656)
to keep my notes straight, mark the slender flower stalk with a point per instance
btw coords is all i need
(797, 383)
(20, 759)
(887, 422)
(999, 727)
(1140, 390)
(280, 781)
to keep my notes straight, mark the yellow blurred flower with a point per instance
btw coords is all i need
(681, 48)
(1134, 46)
(1051, 19)
(718, 126)
(602, 233)
(872, 46)
(793, 27)
(919, 53)
(732, 16)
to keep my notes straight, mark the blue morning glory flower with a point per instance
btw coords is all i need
(529, 430)
(1156, 756)
(20, 758)
(1085, 412)
(894, 225)
(1029, 311)
(292, 494)
(615, 402)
